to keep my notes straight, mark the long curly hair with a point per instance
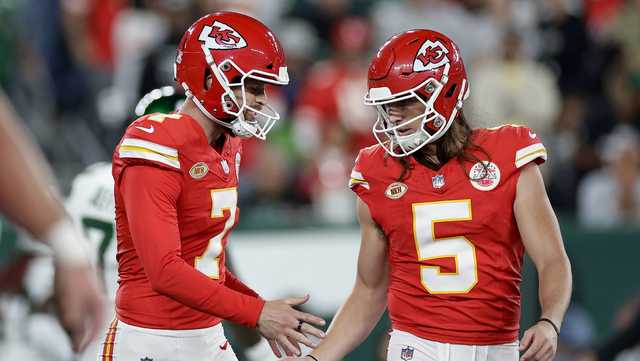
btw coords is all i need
(455, 144)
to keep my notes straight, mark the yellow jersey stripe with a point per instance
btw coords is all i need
(542, 153)
(146, 150)
(532, 153)
(524, 152)
(158, 148)
(148, 155)
(354, 182)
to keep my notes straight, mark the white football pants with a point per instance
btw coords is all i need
(125, 342)
(404, 346)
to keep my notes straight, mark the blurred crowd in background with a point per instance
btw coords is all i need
(569, 69)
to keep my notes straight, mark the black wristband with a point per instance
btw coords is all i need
(313, 357)
(555, 328)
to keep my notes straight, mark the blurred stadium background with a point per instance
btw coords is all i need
(569, 69)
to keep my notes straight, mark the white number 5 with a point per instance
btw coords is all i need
(209, 261)
(425, 216)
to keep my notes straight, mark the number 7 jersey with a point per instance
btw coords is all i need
(455, 252)
(206, 212)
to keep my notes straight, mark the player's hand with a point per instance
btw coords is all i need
(277, 348)
(80, 303)
(539, 343)
(279, 322)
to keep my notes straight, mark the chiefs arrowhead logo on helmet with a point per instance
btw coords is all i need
(221, 36)
(432, 55)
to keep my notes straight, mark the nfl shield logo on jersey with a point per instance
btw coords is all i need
(238, 159)
(437, 181)
(406, 353)
(225, 166)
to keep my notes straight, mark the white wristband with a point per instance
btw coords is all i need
(67, 244)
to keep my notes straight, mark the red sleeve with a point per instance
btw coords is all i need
(231, 281)
(358, 181)
(528, 147)
(150, 195)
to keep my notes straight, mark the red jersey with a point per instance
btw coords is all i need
(455, 252)
(175, 200)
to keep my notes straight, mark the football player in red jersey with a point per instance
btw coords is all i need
(446, 213)
(176, 178)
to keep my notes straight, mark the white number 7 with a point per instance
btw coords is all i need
(209, 261)
(425, 216)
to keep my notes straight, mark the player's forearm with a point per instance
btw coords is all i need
(26, 183)
(555, 289)
(203, 293)
(352, 324)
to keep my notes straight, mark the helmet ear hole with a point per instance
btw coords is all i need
(208, 78)
(451, 90)
(228, 104)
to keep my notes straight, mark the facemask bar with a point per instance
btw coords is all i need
(390, 138)
(266, 116)
(384, 95)
(409, 144)
(387, 134)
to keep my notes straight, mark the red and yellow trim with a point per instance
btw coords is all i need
(144, 149)
(109, 341)
(357, 179)
(529, 153)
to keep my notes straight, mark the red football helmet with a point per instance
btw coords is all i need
(421, 64)
(230, 47)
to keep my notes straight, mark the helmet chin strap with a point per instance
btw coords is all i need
(240, 130)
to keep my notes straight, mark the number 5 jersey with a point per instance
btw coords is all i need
(455, 253)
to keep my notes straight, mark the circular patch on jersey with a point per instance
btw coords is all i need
(396, 190)
(480, 180)
(198, 170)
